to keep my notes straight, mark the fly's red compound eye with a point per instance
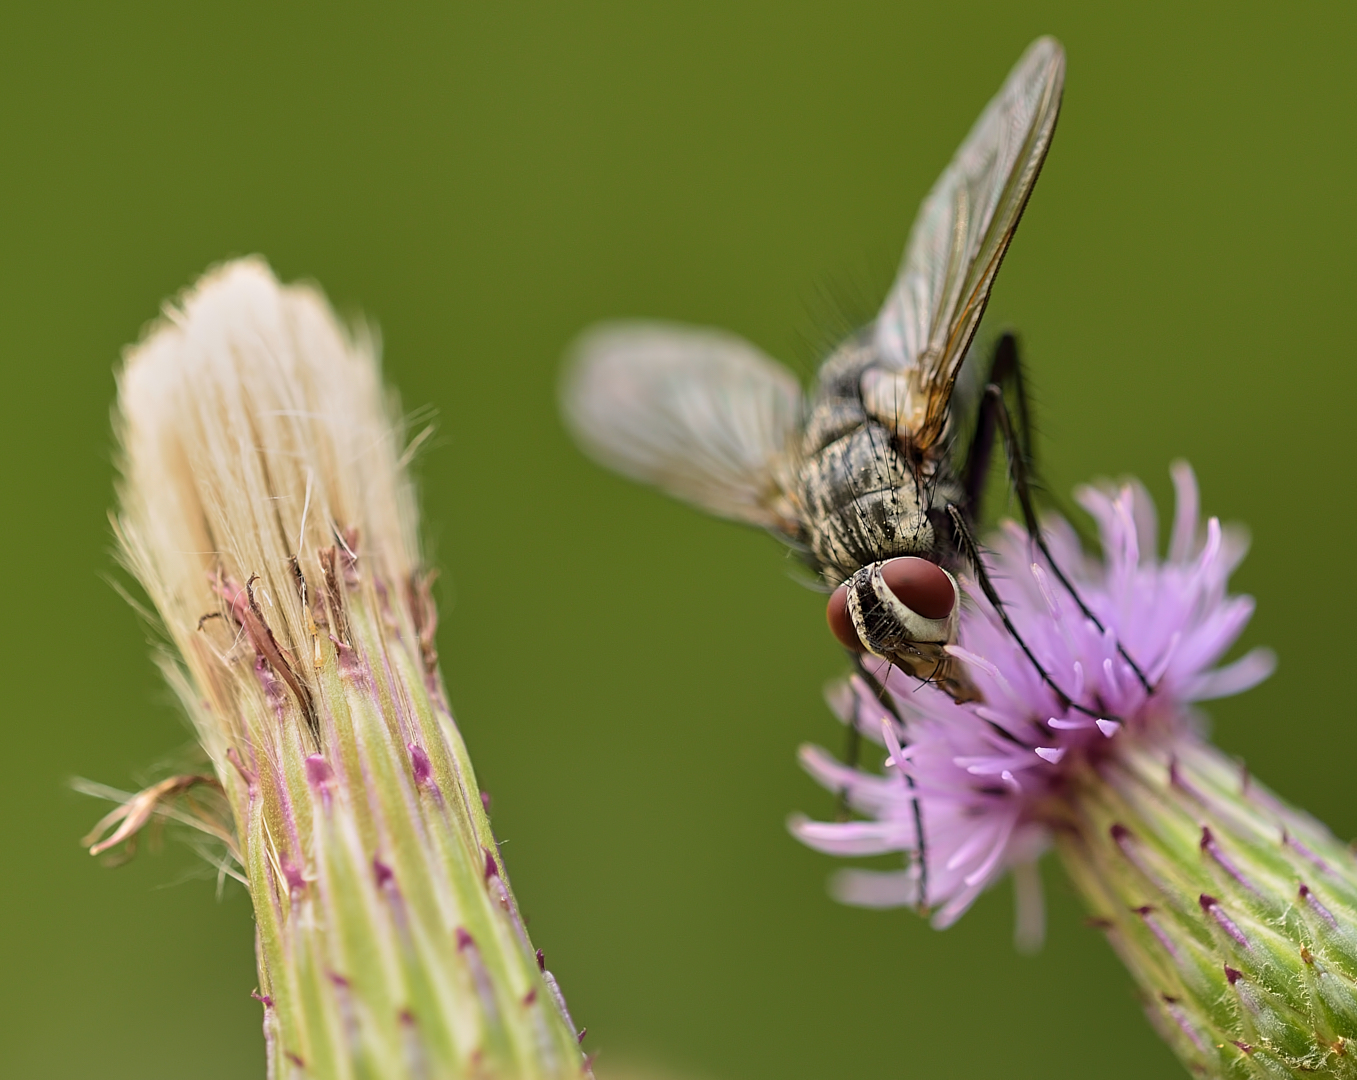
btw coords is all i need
(920, 585)
(840, 622)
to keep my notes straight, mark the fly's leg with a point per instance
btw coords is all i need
(994, 419)
(1005, 369)
(1018, 469)
(851, 755)
(972, 550)
(921, 848)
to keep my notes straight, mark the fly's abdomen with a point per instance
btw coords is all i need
(860, 500)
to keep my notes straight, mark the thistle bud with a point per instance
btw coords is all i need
(266, 510)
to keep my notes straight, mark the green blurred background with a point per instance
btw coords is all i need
(486, 179)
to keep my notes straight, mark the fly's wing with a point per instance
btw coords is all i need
(957, 244)
(698, 413)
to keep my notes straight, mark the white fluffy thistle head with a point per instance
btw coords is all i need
(255, 428)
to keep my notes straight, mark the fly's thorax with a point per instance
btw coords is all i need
(861, 500)
(861, 504)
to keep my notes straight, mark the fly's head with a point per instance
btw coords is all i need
(905, 611)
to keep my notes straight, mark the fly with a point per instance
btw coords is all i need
(874, 477)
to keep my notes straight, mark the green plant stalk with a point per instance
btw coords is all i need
(1235, 913)
(266, 510)
(381, 904)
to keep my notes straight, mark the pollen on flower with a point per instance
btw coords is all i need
(988, 780)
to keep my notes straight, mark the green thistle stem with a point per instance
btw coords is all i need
(1235, 913)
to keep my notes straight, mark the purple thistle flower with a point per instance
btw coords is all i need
(991, 778)
(1235, 913)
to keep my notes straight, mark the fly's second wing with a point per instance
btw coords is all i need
(699, 413)
(956, 246)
